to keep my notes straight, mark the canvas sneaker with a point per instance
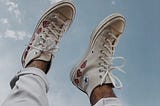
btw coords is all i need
(96, 66)
(48, 32)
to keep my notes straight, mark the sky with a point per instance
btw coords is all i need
(139, 45)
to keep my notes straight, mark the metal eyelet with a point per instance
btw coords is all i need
(100, 57)
(85, 80)
(35, 53)
(101, 51)
(100, 70)
(99, 64)
(100, 76)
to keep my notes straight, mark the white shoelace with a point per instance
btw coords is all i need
(49, 38)
(107, 61)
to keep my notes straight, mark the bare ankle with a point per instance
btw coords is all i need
(100, 92)
(44, 66)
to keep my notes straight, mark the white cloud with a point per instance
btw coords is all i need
(17, 13)
(4, 20)
(17, 35)
(21, 35)
(11, 5)
(13, 8)
(10, 34)
(11, 18)
(113, 2)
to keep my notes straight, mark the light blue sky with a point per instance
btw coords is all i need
(139, 45)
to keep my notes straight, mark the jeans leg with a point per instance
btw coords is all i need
(30, 89)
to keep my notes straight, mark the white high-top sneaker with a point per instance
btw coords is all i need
(96, 66)
(50, 28)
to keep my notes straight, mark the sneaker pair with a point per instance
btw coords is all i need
(96, 66)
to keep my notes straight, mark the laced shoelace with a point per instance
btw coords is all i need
(47, 42)
(107, 61)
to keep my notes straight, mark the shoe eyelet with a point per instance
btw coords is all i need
(101, 51)
(106, 39)
(35, 53)
(104, 44)
(100, 57)
(100, 70)
(99, 64)
(86, 80)
(100, 76)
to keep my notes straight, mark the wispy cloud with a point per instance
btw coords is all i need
(10, 34)
(11, 21)
(17, 35)
(113, 2)
(13, 8)
(4, 21)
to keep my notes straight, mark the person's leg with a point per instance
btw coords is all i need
(30, 86)
(104, 96)
(104, 91)
(93, 75)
